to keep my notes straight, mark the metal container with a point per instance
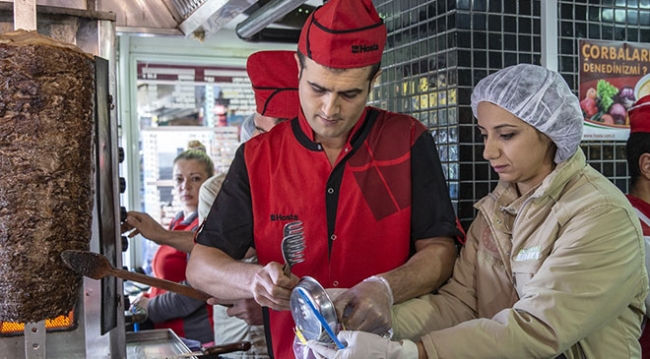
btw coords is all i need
(304, 317)
(155, 343)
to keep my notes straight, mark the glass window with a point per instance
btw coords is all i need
(177, 104)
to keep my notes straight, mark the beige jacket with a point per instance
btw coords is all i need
(558, 270)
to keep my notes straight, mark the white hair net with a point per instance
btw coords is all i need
(247, 128)
(539, 97)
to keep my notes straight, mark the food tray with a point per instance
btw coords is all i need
(154, 343)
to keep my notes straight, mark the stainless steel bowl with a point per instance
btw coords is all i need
(304, 317)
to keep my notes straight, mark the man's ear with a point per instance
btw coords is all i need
(299, 65)
(644, 165)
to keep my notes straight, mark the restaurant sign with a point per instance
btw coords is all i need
(613, 75)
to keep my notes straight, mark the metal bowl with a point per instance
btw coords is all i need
(304, 317)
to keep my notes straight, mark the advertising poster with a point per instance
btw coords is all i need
(613, 75)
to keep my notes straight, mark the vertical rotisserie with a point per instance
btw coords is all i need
(46, 165)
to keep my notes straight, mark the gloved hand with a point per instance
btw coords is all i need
(366, 306)
(141, 302)
(362, 345)
(335, 293)
(301, 349)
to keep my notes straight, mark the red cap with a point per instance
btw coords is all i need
(274, 76)
(640, 115)
(344, 34)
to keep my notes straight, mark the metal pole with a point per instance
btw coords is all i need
(35, 340)
(25, 14)
(549, 34)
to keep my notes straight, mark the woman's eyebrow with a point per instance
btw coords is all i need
(498, 126)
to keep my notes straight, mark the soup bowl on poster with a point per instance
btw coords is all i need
(642, 87)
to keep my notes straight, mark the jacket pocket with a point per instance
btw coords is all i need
(523, 271)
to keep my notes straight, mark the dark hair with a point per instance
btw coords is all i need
(373, 71)
(199, 156)
(637, 144)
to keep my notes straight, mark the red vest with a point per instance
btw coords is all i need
(356, 215)
(644, 208)
(169, 263)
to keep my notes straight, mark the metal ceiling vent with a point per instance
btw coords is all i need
(202, 18)
(186, 7)
(254, 28)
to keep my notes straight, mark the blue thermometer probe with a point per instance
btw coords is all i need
(321, 319)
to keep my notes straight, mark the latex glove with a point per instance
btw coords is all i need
(335, 293)
(301, 350)
(140, 303)
(362, 345)
(366, 306)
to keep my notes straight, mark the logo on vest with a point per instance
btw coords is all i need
(284, 217)
(358, 49)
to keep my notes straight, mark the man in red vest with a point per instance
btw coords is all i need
(366, 185)
(638, 164)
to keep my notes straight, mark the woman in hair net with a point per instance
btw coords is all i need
(553, 266)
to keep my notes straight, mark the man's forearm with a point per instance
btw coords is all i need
(213, 271)
(428, 269)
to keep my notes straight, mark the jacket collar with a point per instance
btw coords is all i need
(501, 206)
(505, 194)
(305, 135)
(554, 183)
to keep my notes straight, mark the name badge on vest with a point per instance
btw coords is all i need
(529, 254)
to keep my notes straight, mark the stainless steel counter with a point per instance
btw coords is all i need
(154, 344)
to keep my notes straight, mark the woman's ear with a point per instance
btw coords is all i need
(644, 165)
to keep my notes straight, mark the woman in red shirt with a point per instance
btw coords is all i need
(187, 317)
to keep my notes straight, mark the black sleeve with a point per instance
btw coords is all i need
(432, 214)
(170, 305)
(229, 225)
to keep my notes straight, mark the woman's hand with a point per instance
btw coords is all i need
(144, 224)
